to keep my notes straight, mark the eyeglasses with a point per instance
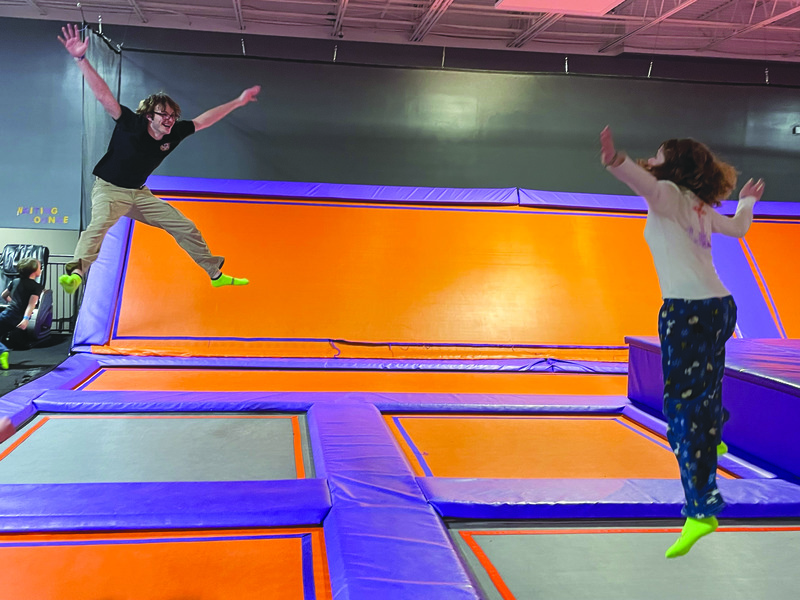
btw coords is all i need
(164, 116)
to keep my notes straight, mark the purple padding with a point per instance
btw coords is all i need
(733, 464)
(18, 405)
(102, 288)
(370, 193)
(68, 374)
(380, 525)
(543, 365)
(763, 422)
(759, 389)
(637, 203)
(754, 318)
(645, 379)
(599, 498)
(764, 209)
(775, 363)
(382, 193)
(187, 505)
(80, 401)
(573, 200)
(771, 362)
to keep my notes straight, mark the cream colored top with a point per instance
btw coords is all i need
(678, 231)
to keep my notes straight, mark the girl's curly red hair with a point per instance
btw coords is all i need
(692, 165)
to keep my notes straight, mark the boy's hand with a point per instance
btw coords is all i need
(249, 95)
(72, 41)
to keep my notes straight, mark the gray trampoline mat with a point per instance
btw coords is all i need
(154, 449)
(727, 565)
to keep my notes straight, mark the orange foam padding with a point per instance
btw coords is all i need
(251, 564)
(775, 247)
(212, 380)
(528, 447)
(387, 275)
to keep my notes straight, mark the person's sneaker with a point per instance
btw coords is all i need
(228, 280)
(4, 361)
(70, 283)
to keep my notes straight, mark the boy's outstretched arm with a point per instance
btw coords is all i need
(212, 115)
(77, 49)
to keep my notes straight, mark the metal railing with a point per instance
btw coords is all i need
(65, 306)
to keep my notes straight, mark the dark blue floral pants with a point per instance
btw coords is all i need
(693, 335)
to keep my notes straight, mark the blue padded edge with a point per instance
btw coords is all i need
(763, 423)
(754, 319)
(364, 193)
(771, 363)
(544, 365)
(637, 203)
(380, 525)
(733, 464)
(18, 404)
(600, 498)
(645, 380)
(98, 308)
(69, 401)
(385, 193)
(187, 505)
(764, 411)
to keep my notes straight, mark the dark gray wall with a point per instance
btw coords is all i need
(40, 125)
(352, 123)
(428, 127)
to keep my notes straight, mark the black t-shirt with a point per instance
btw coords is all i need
(133, 153)
(21, 291)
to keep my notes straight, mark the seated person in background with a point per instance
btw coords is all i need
(22, 294)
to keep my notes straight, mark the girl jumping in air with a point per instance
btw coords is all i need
(682, 184)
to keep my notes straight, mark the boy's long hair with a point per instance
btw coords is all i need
(691, 165)
(26, 266)
(148, 105)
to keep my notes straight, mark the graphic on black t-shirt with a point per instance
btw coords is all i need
(133, 154)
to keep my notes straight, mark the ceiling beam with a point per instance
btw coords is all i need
(647, 26)
(754, 26)
(138, 11)
(237, 9)
(542, 23)
(34, 4)
(429, 19)
(337, 24)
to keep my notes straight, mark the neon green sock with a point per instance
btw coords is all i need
(4, 360)
(228, 280)
(693, 530)
(722, 448)
(70, 283)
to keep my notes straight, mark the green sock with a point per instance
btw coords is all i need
(4, 360)
(228, 280)
(722, 448)
(693, 530)
(70, 283)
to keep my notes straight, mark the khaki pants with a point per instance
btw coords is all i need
(110, 202)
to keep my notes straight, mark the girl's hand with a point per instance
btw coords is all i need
(754, 189)
(607, 151)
